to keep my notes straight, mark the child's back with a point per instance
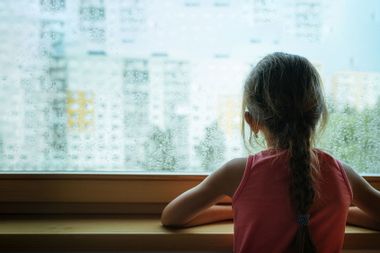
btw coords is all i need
(291, 197)
(263, 213)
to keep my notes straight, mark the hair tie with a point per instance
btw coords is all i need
(303, 219)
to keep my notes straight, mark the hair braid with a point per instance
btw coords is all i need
(301, 186)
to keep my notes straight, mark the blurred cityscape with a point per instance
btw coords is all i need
(138, 85)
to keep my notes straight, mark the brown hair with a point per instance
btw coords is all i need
(283, 93)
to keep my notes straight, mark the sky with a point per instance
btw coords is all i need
(350, 37)
(197, 30)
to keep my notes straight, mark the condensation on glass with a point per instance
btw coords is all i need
(132, 86)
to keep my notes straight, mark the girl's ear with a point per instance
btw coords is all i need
(253, 124)
(248, 118)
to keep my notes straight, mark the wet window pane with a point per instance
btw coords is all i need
(155, 86)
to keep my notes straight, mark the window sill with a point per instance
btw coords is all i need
(130, 232)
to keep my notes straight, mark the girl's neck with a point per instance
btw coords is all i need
(269, 140)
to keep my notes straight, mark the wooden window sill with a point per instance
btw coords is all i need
(131, 232)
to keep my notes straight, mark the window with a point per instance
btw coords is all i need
(155, 86)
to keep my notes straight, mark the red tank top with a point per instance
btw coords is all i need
(264, 220)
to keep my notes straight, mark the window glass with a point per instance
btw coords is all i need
(155, 86)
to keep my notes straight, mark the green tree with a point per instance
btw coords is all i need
(1, 151)
(160, 151)
(374, 140)
(212, 148)
(353, 136)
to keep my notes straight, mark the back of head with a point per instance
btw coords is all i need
(283, 93)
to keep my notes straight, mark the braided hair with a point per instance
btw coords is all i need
(283, 93)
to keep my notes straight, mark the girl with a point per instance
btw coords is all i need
(290, 197)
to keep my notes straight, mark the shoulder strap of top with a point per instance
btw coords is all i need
(345, 178)
(247, 171)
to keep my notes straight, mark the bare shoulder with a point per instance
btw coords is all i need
(233, 172)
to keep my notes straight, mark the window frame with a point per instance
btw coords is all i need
(98, 193)
(92, 193)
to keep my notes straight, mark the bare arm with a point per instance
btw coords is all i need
(358, 217)
(213, 214)
(366, 200)
(193, 206)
